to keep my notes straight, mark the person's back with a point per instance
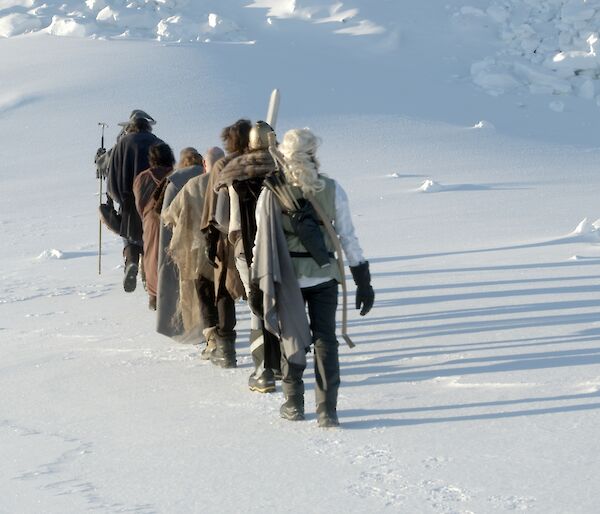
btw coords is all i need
(169, 320)
(128, 158)
(145, 187)
(228, 286)
(318, 284)
(241, 180)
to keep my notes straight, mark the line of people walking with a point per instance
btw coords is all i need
(256, 221)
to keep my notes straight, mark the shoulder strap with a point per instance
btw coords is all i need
(340, 262)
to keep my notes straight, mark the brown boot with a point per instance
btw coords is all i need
(211, 343)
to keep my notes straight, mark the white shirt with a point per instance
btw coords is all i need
(345, 230)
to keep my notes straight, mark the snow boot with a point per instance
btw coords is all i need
(262, 383)
(130, 278)
(224, 352)
(272, 353)
(327, 417)
(132, 258)
(210, 334)
(293, 408)
(293, 389)
(327, 382)
(261, 380)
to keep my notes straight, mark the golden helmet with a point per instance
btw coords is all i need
(259, 136)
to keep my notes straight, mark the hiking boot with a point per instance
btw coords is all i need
(208, 350)
(261, 380)
(263, 383)
(327, 418)
(130, 278)
(293, 408)
(327, 382)
(209, 335)
(224, 352)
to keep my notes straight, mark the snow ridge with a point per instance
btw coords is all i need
(545, 47)
(170, 20)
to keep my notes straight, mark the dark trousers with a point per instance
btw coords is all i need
(132, 251)
(216, 313)
(272, 349)
(321, 301)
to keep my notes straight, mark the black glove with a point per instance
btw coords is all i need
(99, 153)
(128, 203)
(255, 300)
(101, 163)
(212, 236)
(365, 296)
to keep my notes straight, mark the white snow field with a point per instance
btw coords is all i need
(475, 383)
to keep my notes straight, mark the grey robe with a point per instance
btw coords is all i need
(168, 316)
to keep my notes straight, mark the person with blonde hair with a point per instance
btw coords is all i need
(317, 282)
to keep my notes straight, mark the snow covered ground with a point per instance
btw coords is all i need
(475, 383)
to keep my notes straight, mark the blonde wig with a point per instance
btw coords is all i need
(299, 147)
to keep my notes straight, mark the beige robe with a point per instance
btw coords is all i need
(184, 216)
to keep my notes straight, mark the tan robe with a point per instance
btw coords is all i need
(144, 189)
(226, 276)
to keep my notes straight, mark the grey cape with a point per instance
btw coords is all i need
(284, 311)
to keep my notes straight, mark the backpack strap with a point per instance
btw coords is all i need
(340, 262)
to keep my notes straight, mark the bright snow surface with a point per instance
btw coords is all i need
(474, 386)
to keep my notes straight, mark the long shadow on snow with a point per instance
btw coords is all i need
(474, 312)
(388, 421)
(507, 267)
(403, 334)
(569, 239)
(396, 355)
(500, 364)
(489, 283)
(479, 295)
